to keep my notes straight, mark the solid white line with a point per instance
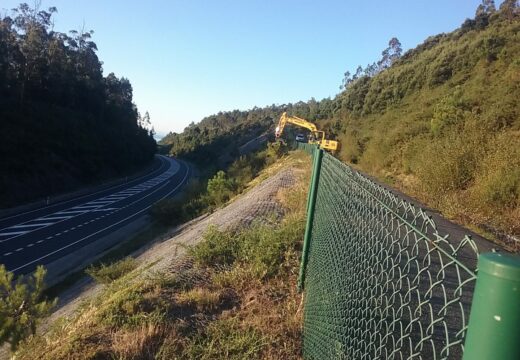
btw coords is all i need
(86, 206)
(161, 158)
(29, 225)
(71, 212)
(108, 227)
(13, 233)
(78, 212)
(55, 218)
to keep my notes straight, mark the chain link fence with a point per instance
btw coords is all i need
(380, 281)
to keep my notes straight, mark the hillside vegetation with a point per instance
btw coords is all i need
(231, 296)
(62, 123)
(440, 122)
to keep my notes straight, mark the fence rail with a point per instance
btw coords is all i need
(380, 281)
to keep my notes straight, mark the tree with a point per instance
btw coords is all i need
(21, 305)
(483, 12)
(510, 8)
(390, 54)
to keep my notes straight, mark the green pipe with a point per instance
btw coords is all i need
(313, 191)
(494, 322)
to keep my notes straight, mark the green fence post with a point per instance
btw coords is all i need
(494, 322)
(313, 191)
(312, 154)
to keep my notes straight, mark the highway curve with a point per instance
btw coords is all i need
(44, 235)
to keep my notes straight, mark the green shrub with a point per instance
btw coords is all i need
(107, 273)
(21, 305)
(168, 211)
(498, 184)
(217, 248)
(220, 188)
(261, 247)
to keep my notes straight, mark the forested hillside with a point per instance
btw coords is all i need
(440, 121)
(62, 123)
(204, 141)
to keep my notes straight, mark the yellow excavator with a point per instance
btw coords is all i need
(317, 136)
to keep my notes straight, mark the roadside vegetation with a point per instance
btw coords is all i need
(440, 122)
(22, 306)
(233, 296)
(203, 195)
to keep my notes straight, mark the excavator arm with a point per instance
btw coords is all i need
(284, 119)
(318, 135)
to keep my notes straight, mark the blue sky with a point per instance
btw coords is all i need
(192, 58)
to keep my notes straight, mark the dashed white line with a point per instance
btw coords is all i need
(49, 237)
(108, 227)
(8, 253)
(19, 249)
(30, 245)
(39, 241)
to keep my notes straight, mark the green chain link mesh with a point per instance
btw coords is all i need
(381, 282)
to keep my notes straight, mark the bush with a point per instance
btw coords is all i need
(21, 305)
(105, 274)
(220, 188)
(498, 184)
(168, 211)
(261, 247)
(217, 248)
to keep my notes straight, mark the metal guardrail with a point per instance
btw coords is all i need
(381, 282)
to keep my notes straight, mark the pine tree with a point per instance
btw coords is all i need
(21, 305)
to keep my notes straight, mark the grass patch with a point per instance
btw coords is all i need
(234, 298)
(106, 273)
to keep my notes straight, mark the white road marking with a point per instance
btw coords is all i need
(108, 227)
(86, 207)
(49, 237)
(30, 245)
(55, 218)
(64, 212)
(19, 249)
(39, 241)
(13, 233)
(161, 158)
(30, 225)
(7, 253)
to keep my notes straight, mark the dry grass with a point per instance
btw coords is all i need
(246, 309)
(141, 343)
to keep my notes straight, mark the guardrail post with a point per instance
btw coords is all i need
(311, 203)
(494, 322)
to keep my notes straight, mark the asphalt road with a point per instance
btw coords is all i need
(43, 235)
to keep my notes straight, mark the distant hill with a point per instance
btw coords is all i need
(62, 123)
(440, 121)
